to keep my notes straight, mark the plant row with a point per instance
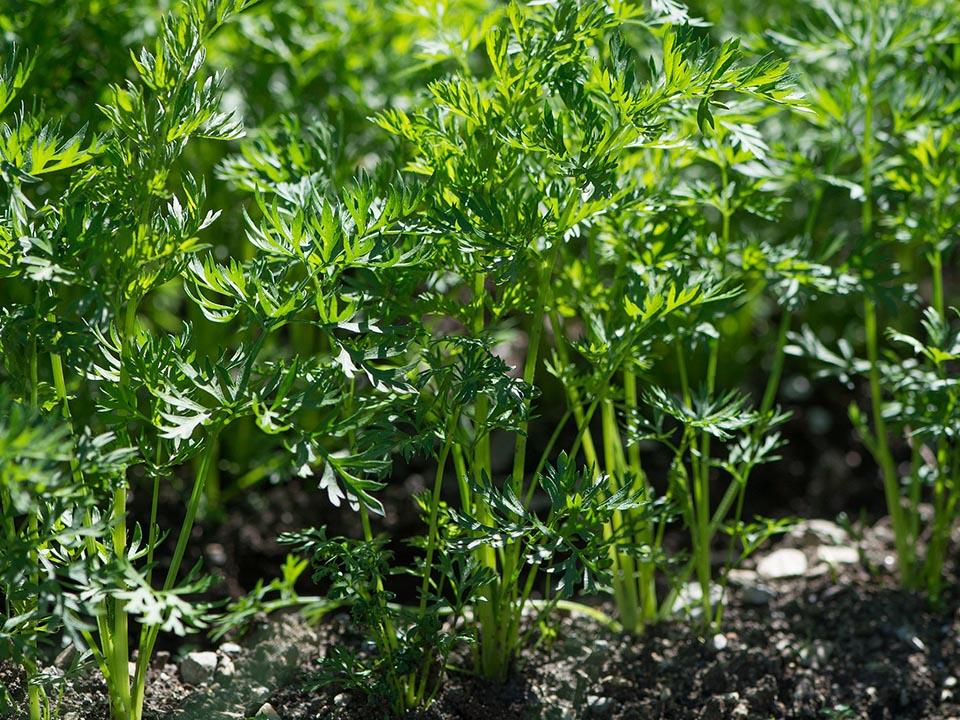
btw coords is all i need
(561, 228)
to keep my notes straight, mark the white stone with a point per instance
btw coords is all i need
(598, 703)
(816, 531)
(225, 667)
(690, 596)
(782, 563)
(742, 577)
(229, 648)
(198, 668)
(839, 555)
(268, 712)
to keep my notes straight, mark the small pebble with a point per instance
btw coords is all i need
(782, 563)
(598, 703)
(197, 668)
(842, 555)
(66, 657)
(225, 667)
(268, 712)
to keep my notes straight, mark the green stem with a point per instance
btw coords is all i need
(936, 271)
(585, 438)
(150, 634)
(35, 693)
(488, 658)
(646, 581)
(942, 521)
(881, 440)
(530, 368)
(776, 369)
(573, 399)
(891, 486)
(434, 520)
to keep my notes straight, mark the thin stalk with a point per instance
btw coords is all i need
(739, 484)
(530, 367)
(585, 439)
(936, 272)
(390, 632)
(888, 470)
(776, 368)
(881, 439)
(150, 634)
(460, 467)
(940, 537)
(482, 467)
(35, 693)
(434, 519)
(573, 399)
(647, 590)
(119, 655)
(702, 496)
(545, 455)
(507, 637)
(624, 563)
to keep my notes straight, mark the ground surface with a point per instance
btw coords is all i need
(838, 641)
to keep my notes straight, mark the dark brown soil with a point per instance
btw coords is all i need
(852, 646)
(847, 645)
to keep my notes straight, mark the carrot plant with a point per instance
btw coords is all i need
(546, 214)
(544, 249)
(140, 405)
(884, 133)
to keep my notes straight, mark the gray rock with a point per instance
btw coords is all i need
(259, 692)
(758, 595)
(66, 657)
(229, 648)
(198, 668)
(752, 590)
(782, 563)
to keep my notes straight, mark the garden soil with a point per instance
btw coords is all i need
(840, 641)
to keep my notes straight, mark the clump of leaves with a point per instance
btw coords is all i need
(886, 113)
(85, 253)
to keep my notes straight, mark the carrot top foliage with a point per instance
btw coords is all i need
(560, 252)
